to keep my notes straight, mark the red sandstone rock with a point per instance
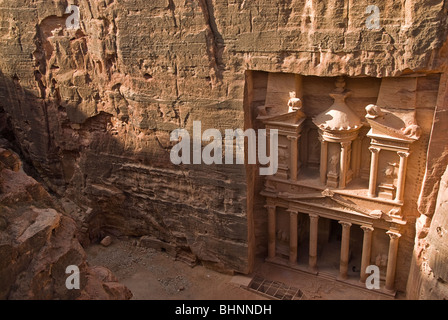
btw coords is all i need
(38, 243)
(92, 109)
(107, 241)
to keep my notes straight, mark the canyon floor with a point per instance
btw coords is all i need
(154, 275)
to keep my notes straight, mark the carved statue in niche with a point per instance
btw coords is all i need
(334, 164)
(390, 172)
(294, 103)
(282, 236)
(387, 187)
(381, 260)
(332, 173)
(283, 155)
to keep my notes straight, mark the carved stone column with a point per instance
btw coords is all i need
(314, 219)
(293, 236)
(345, 247)
(271, 230)
(373, 171)
(401, 175)
(294, 157)
(343, 163)
(323, 160)
(356, 156)
(366, 251)
(392, 260)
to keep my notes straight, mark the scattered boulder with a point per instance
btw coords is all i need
(107, 241)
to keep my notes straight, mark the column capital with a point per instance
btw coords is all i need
(403, 154)
(345, 224)
(374, 149)
(345, 144)
(321, 139)
(270, 206)
(291, 210)
(293, 137)
(367, 228)
(313, 216)
(393, 234)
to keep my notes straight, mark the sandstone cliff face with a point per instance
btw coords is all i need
(38, 243)
(428, 277)
(93, 108)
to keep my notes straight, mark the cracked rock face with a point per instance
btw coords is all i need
(429, 275)
(93, 108)
(38, 243)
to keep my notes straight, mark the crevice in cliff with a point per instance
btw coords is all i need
(250, 21)
(214, 41)
(284, 13)
(8, 136)
(172, 8)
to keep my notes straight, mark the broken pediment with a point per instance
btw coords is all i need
(393, 115)
(399, 125)
(294, 119)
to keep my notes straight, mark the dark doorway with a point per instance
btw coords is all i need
(329, 246)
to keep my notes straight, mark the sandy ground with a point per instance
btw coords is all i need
(154, 275)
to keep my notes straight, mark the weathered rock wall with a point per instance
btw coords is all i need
(93, 108)
(428, 277)
(38, 243)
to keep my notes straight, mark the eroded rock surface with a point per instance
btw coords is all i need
(429, 274)
(92, 109)
(38, 243)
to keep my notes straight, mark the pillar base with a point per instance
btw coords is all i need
(292, 266)
(284, 263)
(386, 191)
(270, 260)
(313, 270)
(390, 292)
(341, 278)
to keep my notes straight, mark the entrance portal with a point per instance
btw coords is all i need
(329, 253)
(329, 248)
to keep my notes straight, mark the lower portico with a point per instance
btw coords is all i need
(346, 219)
